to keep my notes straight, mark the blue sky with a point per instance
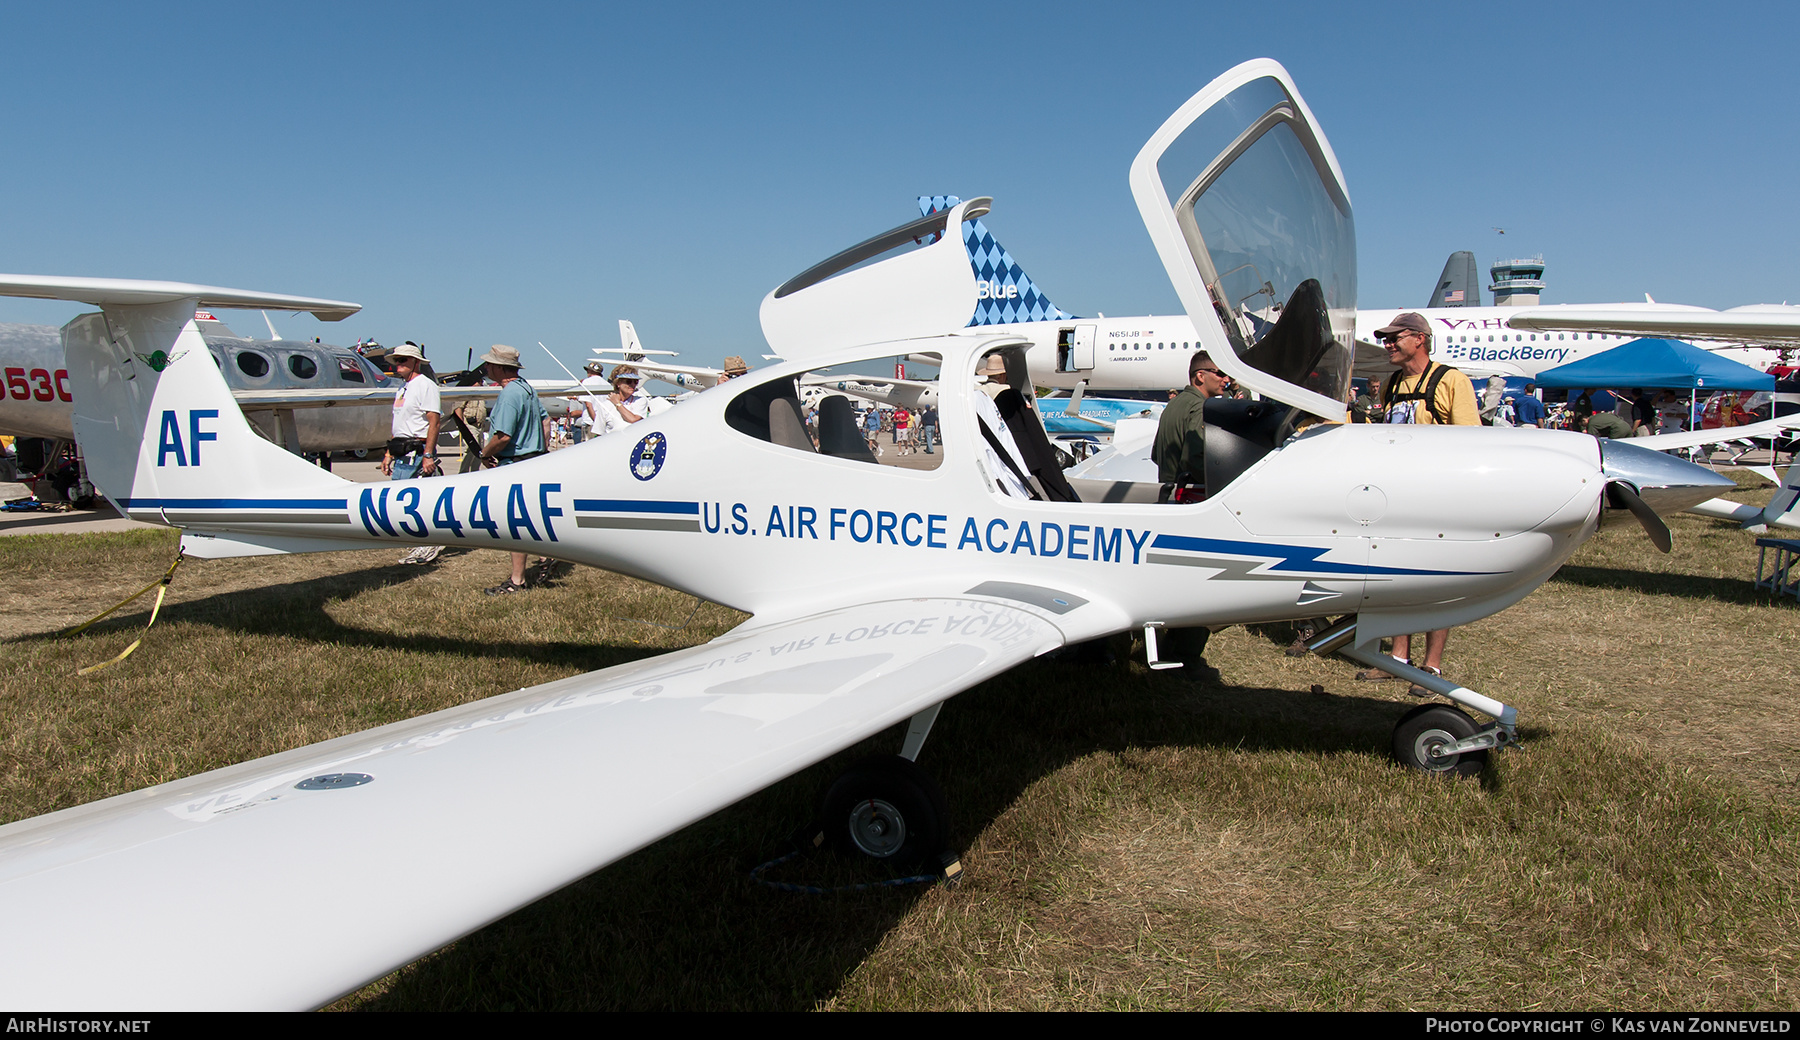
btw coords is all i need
(481, 173)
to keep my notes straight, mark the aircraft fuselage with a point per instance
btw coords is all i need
(1152, 351)
(36, 397)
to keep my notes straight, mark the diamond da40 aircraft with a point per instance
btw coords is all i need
(208, 891)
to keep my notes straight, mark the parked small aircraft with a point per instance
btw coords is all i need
(287, 881)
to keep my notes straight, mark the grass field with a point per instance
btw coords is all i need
(1131, 839)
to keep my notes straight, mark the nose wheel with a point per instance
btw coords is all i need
(886, 809)
(1427, 737)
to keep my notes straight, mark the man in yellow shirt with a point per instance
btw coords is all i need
(1426, 393)
(1423, 391)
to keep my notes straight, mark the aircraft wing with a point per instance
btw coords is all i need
(268, 400)
(1718, 435)
(1773, 324)
(106, 292)
(339, 862)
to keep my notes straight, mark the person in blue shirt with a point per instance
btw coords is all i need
(516, 431)
(1531, 410)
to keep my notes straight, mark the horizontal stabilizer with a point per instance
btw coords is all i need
(113, 292)
(203, 546)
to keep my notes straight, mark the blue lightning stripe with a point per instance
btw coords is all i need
(1294, 558)
(232, 503)
(631, 505)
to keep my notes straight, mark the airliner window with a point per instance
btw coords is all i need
(252, 364)
(858, 412)
(350, 372)
(1272, 235)
(302, 366)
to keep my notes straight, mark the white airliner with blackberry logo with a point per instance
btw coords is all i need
(1151, 351)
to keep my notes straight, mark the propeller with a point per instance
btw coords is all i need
(1624, 493)
(1650, 483)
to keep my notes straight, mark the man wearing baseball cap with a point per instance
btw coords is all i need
(1423, 391)
(595, 381)
(1428, 393)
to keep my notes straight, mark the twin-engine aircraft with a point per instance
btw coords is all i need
(302, 394)
(287, 881)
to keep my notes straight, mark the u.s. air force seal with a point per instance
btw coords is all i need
(647, 457)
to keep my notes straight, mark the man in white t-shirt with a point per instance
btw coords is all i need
(417, 410)
(597, 387)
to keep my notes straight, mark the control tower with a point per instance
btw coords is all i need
(1517, 283)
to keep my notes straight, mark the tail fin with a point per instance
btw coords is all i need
(1459, 285)
(1783, 509)
(160, 433)
(1005, 296)
(628, 340)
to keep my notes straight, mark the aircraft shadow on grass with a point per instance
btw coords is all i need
(1688, 586)
(680, 925)
(296, 610)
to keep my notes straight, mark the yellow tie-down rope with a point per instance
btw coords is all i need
(162, 589)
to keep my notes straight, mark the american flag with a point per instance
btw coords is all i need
(1453, 296)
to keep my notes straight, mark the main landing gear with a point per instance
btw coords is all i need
(888, 809)
(1434, 738)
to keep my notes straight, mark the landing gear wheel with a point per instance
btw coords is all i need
(1433, 726)
(887, 809)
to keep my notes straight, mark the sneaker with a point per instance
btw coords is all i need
(507, 588)
(1297, 648)
(1376, 675)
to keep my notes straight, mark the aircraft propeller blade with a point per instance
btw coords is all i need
(1653, 524)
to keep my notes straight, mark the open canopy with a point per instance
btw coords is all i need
(1660, 364)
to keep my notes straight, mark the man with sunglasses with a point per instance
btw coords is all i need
(1179, 450)
(1423, 392)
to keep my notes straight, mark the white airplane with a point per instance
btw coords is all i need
(287, 881)
(307, 397)
(1151, 351)
(632, 352)
(1521, 341)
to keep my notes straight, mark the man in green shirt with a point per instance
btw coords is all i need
(1179, 450)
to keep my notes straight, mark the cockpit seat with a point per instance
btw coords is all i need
(839, 434)
(1239, 433)
(1039, 458)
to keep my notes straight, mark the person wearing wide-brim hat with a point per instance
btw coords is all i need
(418, 408)
(625, 405)
(517, 430)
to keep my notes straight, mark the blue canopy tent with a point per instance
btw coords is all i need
(1657, 364)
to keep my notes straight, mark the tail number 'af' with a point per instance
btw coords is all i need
(169, 442)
